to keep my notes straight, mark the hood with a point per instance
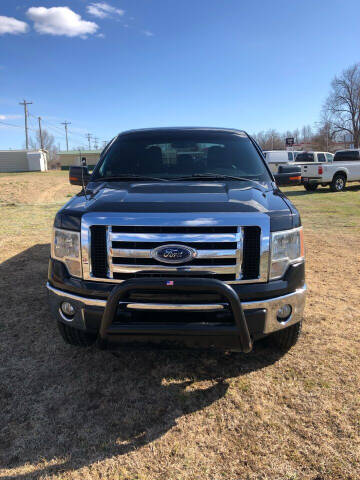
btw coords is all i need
(190, 196)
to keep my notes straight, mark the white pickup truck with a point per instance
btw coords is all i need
(344, 168)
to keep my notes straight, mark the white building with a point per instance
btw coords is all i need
(23, 161)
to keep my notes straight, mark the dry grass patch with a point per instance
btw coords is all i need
(69, 413)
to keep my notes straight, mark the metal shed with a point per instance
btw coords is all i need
(23, 161)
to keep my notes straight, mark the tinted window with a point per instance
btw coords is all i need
(175, 154)
(290, 156)
(305, 157)
(349, 155)
(321, 157)
(330, 157)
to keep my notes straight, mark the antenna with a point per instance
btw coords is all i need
(83, 165)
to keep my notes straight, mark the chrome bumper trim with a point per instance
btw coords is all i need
(271, 305)
(207, 307)
(91, 302)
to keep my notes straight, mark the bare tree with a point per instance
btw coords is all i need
(270, 140)
(342, 107)
(48, 142)
(306, 134)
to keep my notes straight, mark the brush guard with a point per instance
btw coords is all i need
(109, 330)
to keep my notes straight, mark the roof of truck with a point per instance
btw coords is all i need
(165, 130)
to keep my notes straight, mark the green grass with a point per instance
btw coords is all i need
(324, 208)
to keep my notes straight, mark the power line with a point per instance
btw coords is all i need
(88, 136)
(40, 133)
(10, 124)
(70, 135)
(66, 133)
(25, 104)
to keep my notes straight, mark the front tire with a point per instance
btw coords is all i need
(286, 338)
(76, 337)
(338, 183)
(310, 187)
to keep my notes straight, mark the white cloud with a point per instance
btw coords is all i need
(103, 10)
(148, 33)
(60, 21)
(9, 117)
(12, 25)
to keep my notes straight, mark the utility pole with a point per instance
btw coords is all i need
(40, 133)
(25, 104)
(104, 143)
(96, 146)
(88, 136)
(66, 133)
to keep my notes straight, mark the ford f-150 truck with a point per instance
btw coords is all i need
(180, 236)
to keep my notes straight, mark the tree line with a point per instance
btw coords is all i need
(339, 120)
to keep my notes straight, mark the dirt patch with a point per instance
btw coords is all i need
(68, 413)
(36, 187)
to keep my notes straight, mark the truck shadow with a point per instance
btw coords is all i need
(63, 408)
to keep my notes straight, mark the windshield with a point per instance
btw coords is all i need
(180, 154)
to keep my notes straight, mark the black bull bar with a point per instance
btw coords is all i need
(120, 292)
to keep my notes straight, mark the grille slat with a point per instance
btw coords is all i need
(172, 230)
(197, 245)
(174, 238)
(143, 253)
(167, 269)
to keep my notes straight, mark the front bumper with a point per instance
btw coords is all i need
(260, 316)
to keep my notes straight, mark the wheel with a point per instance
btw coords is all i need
(286, 338)
(338, 183)
(310, 187)
(73, 336)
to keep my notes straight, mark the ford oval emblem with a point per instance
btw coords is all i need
(173, 253)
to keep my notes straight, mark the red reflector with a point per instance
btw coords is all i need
(295, 178)
(320, 170)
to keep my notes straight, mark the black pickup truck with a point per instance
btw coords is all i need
(180, 236)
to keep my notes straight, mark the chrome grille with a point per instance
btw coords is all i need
(130, 251)
(122, 244)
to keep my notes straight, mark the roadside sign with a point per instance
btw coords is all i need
(289, 141)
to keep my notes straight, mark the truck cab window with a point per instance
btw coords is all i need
(176, 155)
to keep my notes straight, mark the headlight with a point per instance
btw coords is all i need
(286, 247)
(66, 248)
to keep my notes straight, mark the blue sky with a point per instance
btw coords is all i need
(112, 65)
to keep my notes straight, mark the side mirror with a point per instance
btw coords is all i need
(288, 175)
(79, 176)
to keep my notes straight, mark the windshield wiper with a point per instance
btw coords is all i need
(129, 176)
(219, 176)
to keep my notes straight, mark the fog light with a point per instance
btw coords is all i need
(284, 313)
(67, 309)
